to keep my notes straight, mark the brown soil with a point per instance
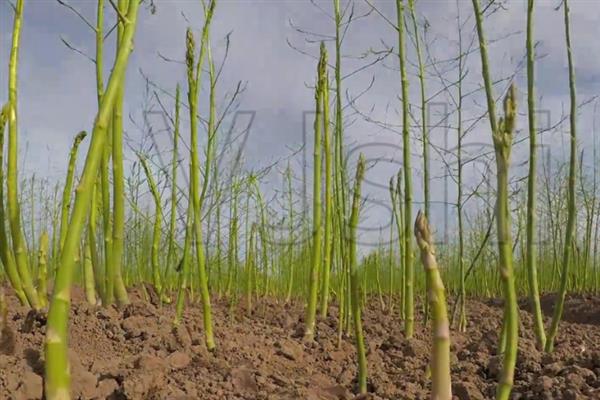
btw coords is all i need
(135, 353)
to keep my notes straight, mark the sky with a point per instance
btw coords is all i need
(273, 45)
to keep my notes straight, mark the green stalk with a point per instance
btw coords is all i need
(534, 294)
(502, 135)
(262, 230)
(67, 189)
(42, 286)
(156, 234)
(6, 254)
(339, 243)
(14, 211)
(212, 120)
(184, 267)
(290, 246)
(396, 200)
(424, 128)
(354, 279)
(174, 161)
(250, 269)
(99, 50)
(462, 316)
(109, 270)
(210, 162)
(55, 226)
(219, 254)
(571, 214)
(441, 384)
(401, 232)
(194, 83)
(377, 265)
(391, 259)
(232, 245)
(104, 198)
(92, 243)
(57, 377)
(485, 69)
(340, 183)
(32, 221)
(328, 244)
(317, 232)
(502, 145)
(409, 309)
(118, 232)
(88, 275)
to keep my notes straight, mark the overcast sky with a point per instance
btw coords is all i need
(57, 86)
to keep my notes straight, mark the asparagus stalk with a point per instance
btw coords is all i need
(118, 228)
(67, 189)
(195, 195)
(6, 254)
(354, 278)
(317, 231)
(409, 308)
(531, 259)
(42, 285)
(441, 388)
(14, 210)
(57, 382)
(571, 212)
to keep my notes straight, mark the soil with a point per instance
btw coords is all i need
(136, 353)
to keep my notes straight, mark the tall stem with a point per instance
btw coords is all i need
(534, 294)
(441, 388)
(174, 162)
(462, 317)
(502, 144)
(571, 214)
(328, 244)
(66, 197)
(424, 127)
(118, 232)
(57, 382)
(409, 309)
(156, 234)
(317, 232)
(502, 135)
(14, 210)
(6, 254)
(354, 278)
(194, 85)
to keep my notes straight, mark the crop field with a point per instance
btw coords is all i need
(163, 264)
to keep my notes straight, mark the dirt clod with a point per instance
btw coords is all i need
(32, 386)
(178, 360)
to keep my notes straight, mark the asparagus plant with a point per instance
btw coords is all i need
(571, 213)
(317, 230)
(531, 253)
(57, 382)
(68, 188)
(6, 254)
(328, 247)
(194, 68)
(118, 227)
(441, 385)
(156, 235)
(42, 285)
(502, 135)
(14, 210)
(409, 309)
(354, 278)
(174, 164)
